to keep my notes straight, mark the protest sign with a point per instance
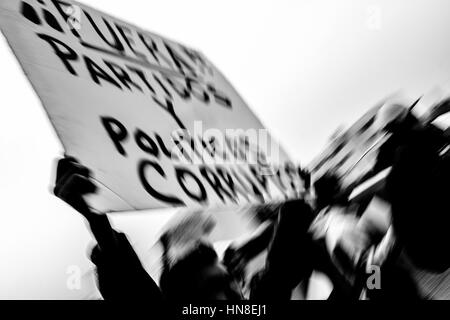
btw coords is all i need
(155, 121)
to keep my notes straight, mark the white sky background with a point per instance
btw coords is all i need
(305, 67)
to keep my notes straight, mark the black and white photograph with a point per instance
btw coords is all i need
(202, 151)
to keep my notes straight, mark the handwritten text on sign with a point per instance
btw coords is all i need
(156, 122)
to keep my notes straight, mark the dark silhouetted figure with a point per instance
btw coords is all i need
(120, 274)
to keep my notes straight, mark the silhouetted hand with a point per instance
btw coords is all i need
(72, 183)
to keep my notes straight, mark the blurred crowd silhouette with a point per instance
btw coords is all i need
(329, 230)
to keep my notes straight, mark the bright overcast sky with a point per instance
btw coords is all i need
(305, 67)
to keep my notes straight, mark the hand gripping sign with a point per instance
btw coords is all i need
(155, 121)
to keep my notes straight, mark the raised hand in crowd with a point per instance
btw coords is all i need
(120, 274)
(72, 183)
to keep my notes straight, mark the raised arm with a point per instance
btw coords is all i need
(72, 184)
(120, 273)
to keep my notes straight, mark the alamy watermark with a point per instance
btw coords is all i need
(374, 19)
(214, 146)
(74, 16)
(74, 275)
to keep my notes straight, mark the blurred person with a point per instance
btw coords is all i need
(286, 228)
(120, 274)
(184, 232)
(396, 120)
(356, 242)
(329, 236)
(296, 249)
(197, 275)
(418, 187)
(287, 262)
(406, 185)
(238, 256)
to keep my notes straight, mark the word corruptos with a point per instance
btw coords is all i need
(229, 183)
